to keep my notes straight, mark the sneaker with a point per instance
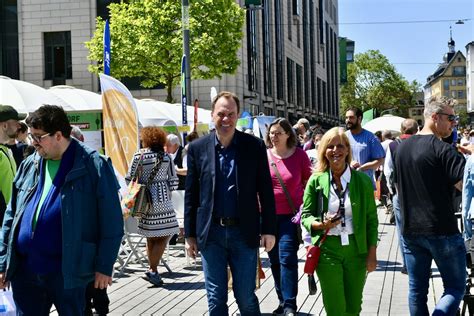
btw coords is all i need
(155, 279)
(290, 312)
(146, 276)
(312, 285)
(279, 311)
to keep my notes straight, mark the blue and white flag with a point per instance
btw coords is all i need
(107, 48)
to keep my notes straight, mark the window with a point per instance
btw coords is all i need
(459, 71)
(453, 82)
(446, 93)
(9, 56)
(290, 68)
(296, 7)
(289, 20)
(454, 94)
(267, 51)
(446, 84)
(460, 94)
(299, 85)
(102, 8)
(252, 51)
(57, 57)
(280, 58)
(461, 82)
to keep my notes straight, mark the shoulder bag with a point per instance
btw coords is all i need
(138, 202)
(296, 213)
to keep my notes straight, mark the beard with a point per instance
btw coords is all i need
(351, 126)
(12, 134)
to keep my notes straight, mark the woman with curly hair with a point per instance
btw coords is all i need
(160, 223)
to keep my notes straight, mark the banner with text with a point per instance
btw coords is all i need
(120, 120)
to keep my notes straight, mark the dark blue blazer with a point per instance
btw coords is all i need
(255, 200)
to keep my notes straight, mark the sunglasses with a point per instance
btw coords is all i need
(37, 139)
(451, 117)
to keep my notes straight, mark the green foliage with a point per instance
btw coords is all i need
(373, 82)
(147, 40)
(464, 119)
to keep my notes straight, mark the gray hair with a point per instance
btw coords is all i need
(303, 122)
(76, 132)
(172, 139)
(437, 104)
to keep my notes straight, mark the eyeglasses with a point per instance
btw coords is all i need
(37, 139)
(451, 117)
(276, 133)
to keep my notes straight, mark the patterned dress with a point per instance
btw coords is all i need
(161, 220)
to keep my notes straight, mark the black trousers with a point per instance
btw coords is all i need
(97, 299)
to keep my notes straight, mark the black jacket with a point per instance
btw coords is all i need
(255, 200)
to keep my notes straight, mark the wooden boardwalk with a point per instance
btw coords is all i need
(183, 293)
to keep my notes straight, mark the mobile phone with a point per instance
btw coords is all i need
(335, 218)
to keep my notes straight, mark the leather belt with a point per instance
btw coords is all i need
(226, 221)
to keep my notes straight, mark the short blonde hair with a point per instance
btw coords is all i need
(323, 163)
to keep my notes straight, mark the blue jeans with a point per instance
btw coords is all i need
(226, 246)
(398, 222)
(34, 295)
(449, 254)
(284, 262)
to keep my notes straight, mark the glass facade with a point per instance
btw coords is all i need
(9, 58)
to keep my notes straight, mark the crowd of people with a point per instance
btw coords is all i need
(63, 223)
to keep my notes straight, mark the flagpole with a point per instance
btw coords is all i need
(186, 62)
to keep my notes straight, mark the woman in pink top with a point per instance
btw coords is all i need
(294, 169)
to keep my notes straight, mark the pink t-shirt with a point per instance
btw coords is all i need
(295, 172)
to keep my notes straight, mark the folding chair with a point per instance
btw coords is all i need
(177, 198)
(132, 248)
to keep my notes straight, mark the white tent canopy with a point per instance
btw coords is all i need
(78, 99)
(26, 97)
(386, 122)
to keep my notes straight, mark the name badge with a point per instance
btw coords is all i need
(344, 238)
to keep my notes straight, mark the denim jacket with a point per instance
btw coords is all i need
(91, 217)
(467, 197)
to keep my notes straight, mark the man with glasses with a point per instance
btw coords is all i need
(9, 126)
(427, 172)
(64, 225)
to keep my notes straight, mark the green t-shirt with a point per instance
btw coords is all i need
(7, 172)
(52, 167)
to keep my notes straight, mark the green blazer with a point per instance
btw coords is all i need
(364, 211)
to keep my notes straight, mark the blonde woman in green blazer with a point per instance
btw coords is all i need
(340, 200)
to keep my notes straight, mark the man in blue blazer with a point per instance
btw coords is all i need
(229, 207)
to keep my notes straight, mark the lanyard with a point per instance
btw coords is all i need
(342, 198)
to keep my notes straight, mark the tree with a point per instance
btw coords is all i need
(147, 41)
(373, 82)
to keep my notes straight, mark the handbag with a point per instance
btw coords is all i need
(296, 219)
(137, 201)
(313, 254)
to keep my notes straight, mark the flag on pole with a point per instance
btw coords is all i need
(120, 119)
(184, 92)
(196, 106)
(107, 48)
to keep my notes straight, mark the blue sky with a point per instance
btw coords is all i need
(414, 48)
